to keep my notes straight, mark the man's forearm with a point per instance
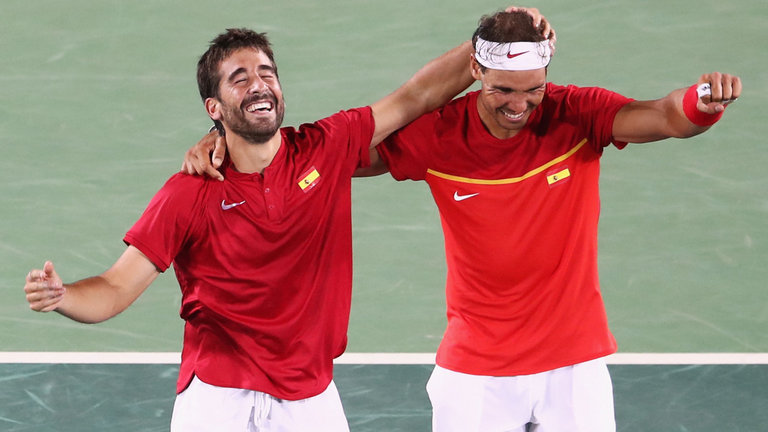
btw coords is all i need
(431, 87)
(441, 80)
(99, 298)
(89, 301)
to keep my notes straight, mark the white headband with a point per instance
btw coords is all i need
(513, 56)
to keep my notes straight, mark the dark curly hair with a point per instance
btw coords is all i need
(507, 27)
(222, 47)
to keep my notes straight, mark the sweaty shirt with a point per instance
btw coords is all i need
(264, 262)
(519, 217)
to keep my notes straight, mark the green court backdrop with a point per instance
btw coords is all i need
(100, 103)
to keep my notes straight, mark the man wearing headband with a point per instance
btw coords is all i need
(514, 170)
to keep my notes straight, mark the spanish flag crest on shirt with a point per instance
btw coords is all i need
(309, 179)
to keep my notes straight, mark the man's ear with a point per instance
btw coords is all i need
(213, 108)
(475, 68)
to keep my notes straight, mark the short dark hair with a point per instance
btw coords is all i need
(223, 46)
(506, 27)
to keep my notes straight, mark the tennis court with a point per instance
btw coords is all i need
(100, 104)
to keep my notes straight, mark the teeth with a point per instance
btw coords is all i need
(513, 116)
(259, 106)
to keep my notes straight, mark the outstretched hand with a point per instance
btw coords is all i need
(44, 288)
(205, 157)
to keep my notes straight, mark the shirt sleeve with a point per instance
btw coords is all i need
(162, 229)
(349, 131)
(407, 151)
(595, 110)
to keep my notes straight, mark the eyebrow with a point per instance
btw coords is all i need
(235, 73)
(505, 88)
(244, 70)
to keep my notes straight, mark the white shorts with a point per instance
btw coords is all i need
(576, 398)
(205, 408)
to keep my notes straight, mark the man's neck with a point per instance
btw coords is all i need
(248, 157)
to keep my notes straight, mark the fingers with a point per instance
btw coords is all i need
(723, 90)
(186, 166)
(730, 88)
(200, 153)
(212, 172)
(219, 150)
(552, 40)
(197, 160)
(47, 274)
(538, 19)
(44, 289)
(217, 158)
(48, 269)
(191, 164)
(540, 22)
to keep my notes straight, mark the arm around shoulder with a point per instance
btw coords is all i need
(432, 86)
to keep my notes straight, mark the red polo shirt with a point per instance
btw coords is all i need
(264, 262)
(520, 218)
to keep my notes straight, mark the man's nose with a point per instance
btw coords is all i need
(517, 103)
(258, 85)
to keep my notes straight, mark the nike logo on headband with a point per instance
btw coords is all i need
(513, 56)
(510, 55)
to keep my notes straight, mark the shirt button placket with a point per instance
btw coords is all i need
(268, 198)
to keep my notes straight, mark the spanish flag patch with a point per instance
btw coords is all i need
(309, 179)
(558, 176)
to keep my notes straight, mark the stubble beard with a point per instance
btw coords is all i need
(259, 131)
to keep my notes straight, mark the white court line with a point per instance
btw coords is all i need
(686, 358)
(91, 357)
(370, 358)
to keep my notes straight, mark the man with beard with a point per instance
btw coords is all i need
(263, 258)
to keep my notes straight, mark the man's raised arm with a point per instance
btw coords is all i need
(682, 113)
(433, 86)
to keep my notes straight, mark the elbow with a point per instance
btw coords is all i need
(89, 318)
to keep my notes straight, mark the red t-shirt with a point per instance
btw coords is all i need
(264, 262)
(519, 218)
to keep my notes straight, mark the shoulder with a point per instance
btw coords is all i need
(344, 119)
(571, 94)
(184, 183)
(182, 180)
(183, 189)
(352, 129)
(437, 127)
(452, 114)
(460, 104)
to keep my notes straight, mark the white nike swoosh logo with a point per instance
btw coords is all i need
(458, 197)
(225, 206)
